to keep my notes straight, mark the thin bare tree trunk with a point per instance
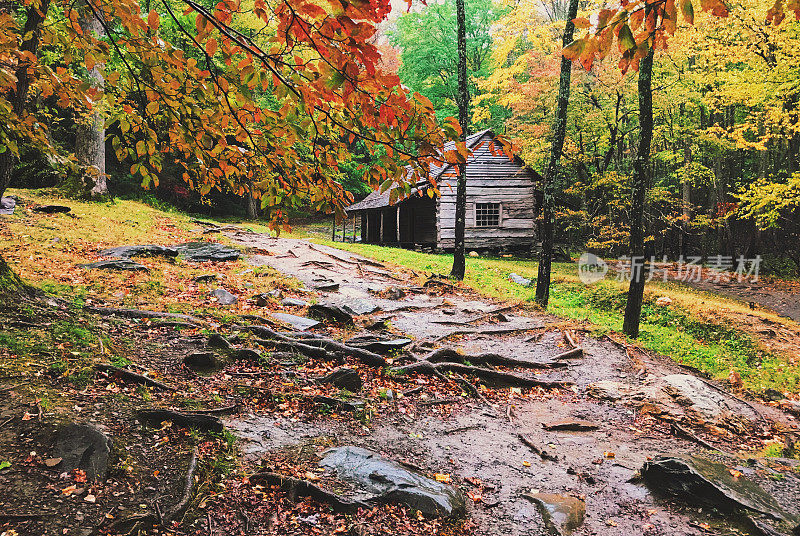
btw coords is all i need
(633, 308)
(90, 132)
(547, 225)
(459, 263)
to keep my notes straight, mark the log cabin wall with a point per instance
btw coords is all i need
(493, 179)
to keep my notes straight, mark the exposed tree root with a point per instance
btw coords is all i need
(543, 454)
(200, 421)
(133, 377)
(307, 345)
(178, 510)
(448, 355)
(569, 354)
(296, 487)
(490, 377)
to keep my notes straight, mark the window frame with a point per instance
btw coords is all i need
(499, 215)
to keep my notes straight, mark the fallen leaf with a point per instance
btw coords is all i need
(69, 489)
(526, 463)
(52, 462)
(611, 523)
(442, 477)
(734, 473)
(475, 496)
(609, 454)
(90, 498)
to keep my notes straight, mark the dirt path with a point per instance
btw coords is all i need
(631, 404)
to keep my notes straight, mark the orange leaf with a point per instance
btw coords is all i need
(581, 22)
(211, 46)
(153, 20)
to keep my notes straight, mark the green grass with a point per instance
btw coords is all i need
(683, 331)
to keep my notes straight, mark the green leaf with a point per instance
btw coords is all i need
(626, 40)
(4, 465)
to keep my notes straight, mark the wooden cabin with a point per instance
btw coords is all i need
(501, 206)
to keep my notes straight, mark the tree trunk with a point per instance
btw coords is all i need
(686, 191)
(19, 96)
(546, 228)
(633, 308)
(90, 132)
(253, 204)
(459, 264)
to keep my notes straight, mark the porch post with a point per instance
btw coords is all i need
(397, 208)
(354, 230)
(382, 227)
(333, 236)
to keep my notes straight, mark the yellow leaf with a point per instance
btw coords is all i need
(141, 150)
(152, 108)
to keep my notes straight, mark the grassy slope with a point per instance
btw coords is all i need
(693, 331)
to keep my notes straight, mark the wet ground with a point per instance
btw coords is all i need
(632, 410)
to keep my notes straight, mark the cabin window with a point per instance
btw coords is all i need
(487, 214)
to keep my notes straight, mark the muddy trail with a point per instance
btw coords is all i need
(356, 398)
(544, 427)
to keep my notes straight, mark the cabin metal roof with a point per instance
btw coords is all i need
(379, 200)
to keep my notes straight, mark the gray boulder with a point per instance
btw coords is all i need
(83, 446)
(116, 264)
(7, 205)
(223, 296)
(699, 481)
(297, 322)
(148, 250)
(382, 480)
(206, 252)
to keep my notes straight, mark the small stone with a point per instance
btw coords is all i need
(569, 426)
(561, 513)
(224, 297)
(215, 340)
(474, 254)
(664, 301)
(294, 302)
(343, 378)
(205, 278)
(518, 279)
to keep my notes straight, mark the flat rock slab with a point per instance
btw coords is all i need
(116, 264)
(85, 447)
(223, 297)
(700, 481)
(298, 322)
(384, 480)
(710, 404)
(207, 252)
(52, 209)
(148, 250)
(331, 312)
(561, 513)
(7, 205)
(569, 426)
